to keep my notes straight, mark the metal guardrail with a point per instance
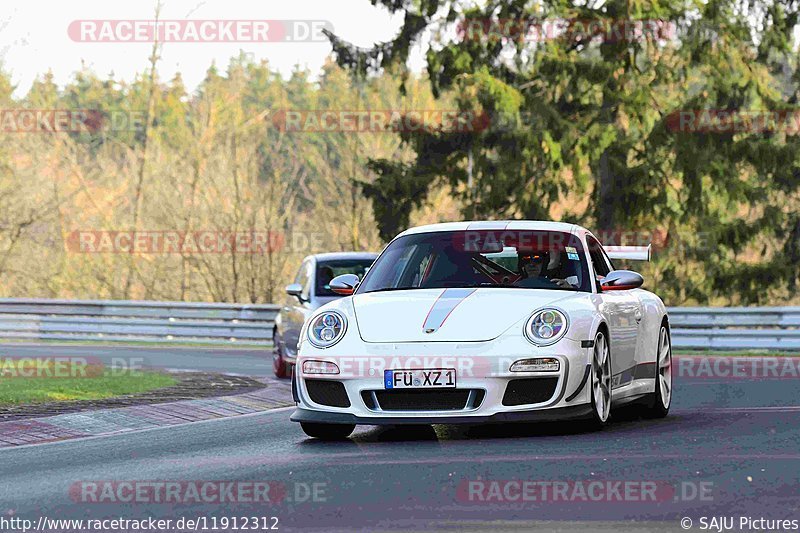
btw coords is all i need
(772, 328)
(137, 321)
(735, 328)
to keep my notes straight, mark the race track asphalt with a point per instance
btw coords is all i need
(728, 449)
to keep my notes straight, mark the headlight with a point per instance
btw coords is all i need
(546, 327)
(327, 329)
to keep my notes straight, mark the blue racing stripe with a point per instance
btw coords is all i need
(443, 306)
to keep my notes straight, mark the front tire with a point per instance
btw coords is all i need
(600, 381)
(659, 402)
(327, 431)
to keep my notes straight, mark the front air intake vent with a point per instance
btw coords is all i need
(529, 391)
(325, 392)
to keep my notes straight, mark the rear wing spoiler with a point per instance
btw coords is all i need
(631, 253)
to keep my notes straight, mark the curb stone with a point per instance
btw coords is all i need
(125, 419)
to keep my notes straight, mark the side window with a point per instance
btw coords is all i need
(598, 256)
(608, 259)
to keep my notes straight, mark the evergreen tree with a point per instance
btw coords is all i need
(591, 111)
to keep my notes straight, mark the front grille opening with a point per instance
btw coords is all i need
(368, 401)
(529, 390)
(423, 399)
(325, 392)
(479, 395)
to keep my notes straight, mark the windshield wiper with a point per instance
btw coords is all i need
(387, 289)
(509, 286)
(459, 286)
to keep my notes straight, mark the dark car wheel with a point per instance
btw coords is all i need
(281, 368)
(659, 402)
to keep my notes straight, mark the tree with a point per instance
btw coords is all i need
(590, 111)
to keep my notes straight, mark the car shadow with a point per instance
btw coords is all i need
(404, 433)
(623, 419)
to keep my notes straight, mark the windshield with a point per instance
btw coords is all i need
(519, 259)
(327, 270)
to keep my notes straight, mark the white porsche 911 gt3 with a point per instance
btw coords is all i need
(482, 322)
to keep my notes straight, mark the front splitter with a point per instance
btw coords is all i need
(540, 415)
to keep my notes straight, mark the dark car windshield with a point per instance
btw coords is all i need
(520, 259)
(327, 270)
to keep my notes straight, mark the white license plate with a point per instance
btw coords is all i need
(428, 378)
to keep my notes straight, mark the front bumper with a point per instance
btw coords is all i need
(541, 415)
(482, 367)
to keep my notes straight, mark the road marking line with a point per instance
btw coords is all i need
(576, 457)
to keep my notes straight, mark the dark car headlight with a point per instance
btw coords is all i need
(326, 329)
(546, 326)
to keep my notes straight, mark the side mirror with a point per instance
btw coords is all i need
(621, 280)
(345, 284)
(295, 289)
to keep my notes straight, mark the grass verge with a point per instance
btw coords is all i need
(20, 385)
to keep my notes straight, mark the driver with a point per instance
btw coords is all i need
(532, 266)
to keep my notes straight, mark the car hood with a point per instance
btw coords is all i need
(447, 315)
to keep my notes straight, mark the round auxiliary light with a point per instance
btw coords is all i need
(545, 331)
